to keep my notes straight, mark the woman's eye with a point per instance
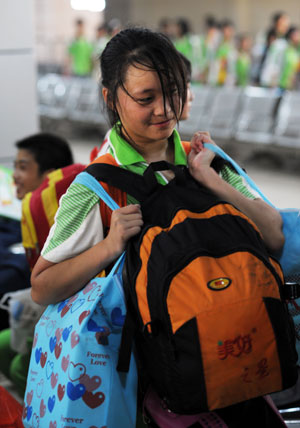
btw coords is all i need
(145, 100)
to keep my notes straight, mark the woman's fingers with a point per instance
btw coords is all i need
(125, 223)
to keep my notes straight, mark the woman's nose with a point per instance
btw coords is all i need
(162, 107)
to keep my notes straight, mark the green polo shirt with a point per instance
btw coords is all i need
(128, 158)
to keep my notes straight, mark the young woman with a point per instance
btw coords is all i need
(144, 87)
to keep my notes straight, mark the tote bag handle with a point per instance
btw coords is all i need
(241, 172)
(89, 181)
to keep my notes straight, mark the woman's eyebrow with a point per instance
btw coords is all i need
(143, 91)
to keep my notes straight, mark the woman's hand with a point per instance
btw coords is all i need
(53, 282)
(125, 223)
(200, 158)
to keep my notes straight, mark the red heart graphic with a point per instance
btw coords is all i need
(39, 388)
(74, 339)
(57, 350)
(52, 424)
(73, 298)
(90, 383)
(42, 409)
(43, 359)
(93, 400)
(88, 287)
(65, 362)
(61, 391)
(29, 397)
(65, 309)
(83, 315)
(54, 379)
(58, 334)
(24, 411)
(95, 293)
(76, 371)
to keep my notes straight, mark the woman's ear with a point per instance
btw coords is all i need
(105, 93)
(108, 102)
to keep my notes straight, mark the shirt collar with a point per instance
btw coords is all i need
(126, 155)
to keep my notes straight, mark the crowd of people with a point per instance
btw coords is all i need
(219, 56)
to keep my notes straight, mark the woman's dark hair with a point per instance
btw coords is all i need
(49, 150)
(145, 48)
(188, 66)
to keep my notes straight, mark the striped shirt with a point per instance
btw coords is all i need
(78, 225)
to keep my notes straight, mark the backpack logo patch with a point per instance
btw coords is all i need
(218, 284)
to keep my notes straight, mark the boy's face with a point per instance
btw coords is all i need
(26, 173)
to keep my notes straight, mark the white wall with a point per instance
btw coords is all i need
(18, 107)
(55, 28)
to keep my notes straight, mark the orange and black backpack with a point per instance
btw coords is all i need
(204, 297)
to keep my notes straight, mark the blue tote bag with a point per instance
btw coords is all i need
(72, 378)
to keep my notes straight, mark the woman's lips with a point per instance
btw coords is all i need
(162, 124)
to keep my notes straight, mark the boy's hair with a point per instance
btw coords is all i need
(49, 150)
(141, 47)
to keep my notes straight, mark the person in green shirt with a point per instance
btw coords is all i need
(290, 62)
(243, 62)
(223, 71)
(80, 52)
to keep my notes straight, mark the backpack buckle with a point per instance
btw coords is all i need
(152, 328)
(291, 290)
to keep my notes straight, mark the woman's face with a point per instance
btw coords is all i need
(145, 119)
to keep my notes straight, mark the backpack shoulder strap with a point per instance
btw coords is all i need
(106, 170)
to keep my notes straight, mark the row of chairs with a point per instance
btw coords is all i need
(70, 98)
(251, 114)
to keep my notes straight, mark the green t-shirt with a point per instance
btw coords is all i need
(81, 52)
(243, 63)
(289, 67)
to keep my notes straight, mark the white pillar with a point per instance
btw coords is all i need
(18, 98)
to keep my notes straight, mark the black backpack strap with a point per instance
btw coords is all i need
(179, 171)
(127, 181)
(128, 333)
